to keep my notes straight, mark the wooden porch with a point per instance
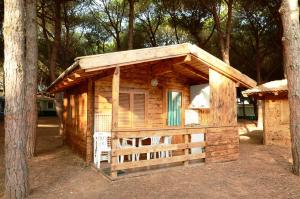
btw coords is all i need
(220, 144)
(181, 152)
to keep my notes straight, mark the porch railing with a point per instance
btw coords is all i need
(185, 147)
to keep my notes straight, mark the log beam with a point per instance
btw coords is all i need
(115, 108)
(90, 121)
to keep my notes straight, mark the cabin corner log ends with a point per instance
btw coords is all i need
(222, 144)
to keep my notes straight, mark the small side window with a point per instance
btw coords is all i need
(50, 105)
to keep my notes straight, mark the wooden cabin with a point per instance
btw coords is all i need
(179, 91)
(276, 111)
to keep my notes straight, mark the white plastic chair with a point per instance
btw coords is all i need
(125, 144)
(166, 154)
(153, 141)
(102, 150)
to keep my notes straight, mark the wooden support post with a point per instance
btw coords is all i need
(65, 115)
(223, 111)
(186, 150)
(90, 122)
(115, 108)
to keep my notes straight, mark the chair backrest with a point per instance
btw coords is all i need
(155, 140)
(127, 142)
(168, 140)
(102, 122)
(102, 140)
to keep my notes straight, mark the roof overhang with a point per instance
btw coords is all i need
(88, 66)
(277, 88)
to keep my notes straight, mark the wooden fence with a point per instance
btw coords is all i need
(185, 146)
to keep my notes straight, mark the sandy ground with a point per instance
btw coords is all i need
(261, 172)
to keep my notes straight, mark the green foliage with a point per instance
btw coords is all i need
(256, 37)
(100, 26)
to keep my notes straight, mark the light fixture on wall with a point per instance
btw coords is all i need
(154, 82)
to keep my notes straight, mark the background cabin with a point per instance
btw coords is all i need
(275, 111)
(46, 105)
(177, 102)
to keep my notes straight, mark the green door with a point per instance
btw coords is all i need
(174, 108)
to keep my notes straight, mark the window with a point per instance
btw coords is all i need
(174, 108)
(124, 116)
(132, 109)
(139, 111)
(50, 105)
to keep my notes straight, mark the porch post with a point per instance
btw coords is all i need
(115, 108)
(90, 122)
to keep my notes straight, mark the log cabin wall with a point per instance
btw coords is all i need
(276, 122)
(223, 108)
(139, 79)
(75, 118)
(222, 141)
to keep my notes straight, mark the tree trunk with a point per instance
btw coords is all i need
(53, 62)
(31, 76)
(258, 66)
(224, 37)
(43, 14)
(228, 32)
(16, 169)
(57, 40)
(118, 41)
(291, 36)
(258, 79)
(260, 116)
(67, 33)
(131, 24)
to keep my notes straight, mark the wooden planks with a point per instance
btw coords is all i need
(115, 97)
(115, 111)
(153, 162)
(179, 147)
(218, 65)
(186, 150)
(76, 121)
(190, 55)
(157, 148)
(132, 57)
(90, 121)
(222, 144)
(137, 80)
(223, 111)
(155, 132)
(276, 122)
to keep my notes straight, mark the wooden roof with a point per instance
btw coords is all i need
(185, 55)
(276, 87)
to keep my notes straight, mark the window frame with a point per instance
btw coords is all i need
(131, 93)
